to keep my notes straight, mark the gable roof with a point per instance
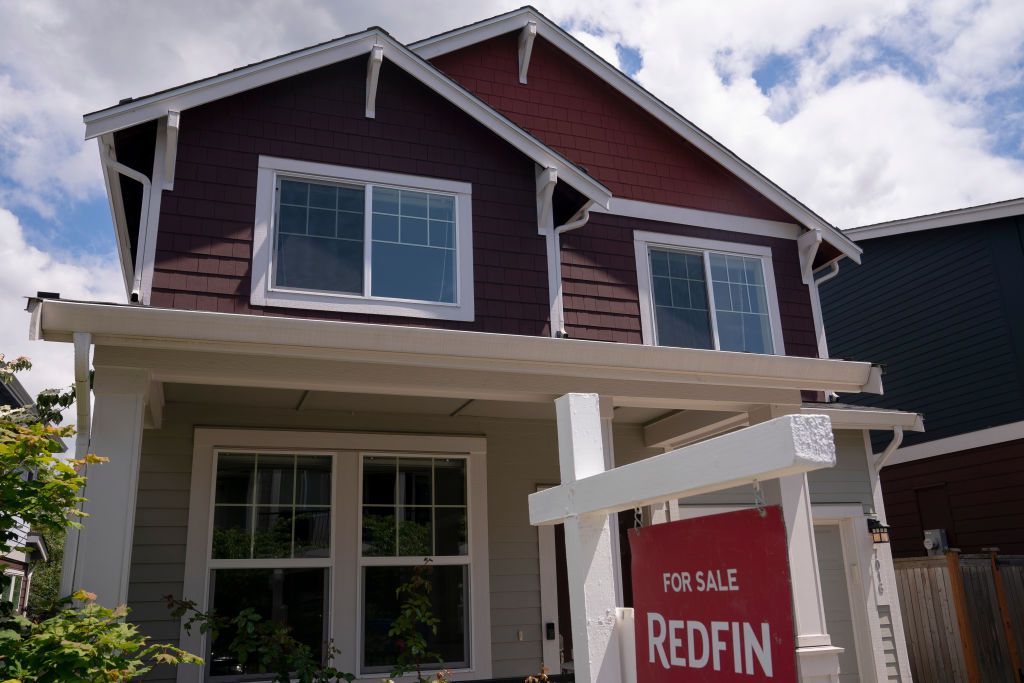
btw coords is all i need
(196, 93)
(471, 34)
(942, 219)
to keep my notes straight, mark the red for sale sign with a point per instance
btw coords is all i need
(712, 599)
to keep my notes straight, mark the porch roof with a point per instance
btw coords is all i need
(250, 350)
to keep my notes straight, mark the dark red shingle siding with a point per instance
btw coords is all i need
(600, 281)
(204, 247)
(592, 124)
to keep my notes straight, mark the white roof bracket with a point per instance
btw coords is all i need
(372, 75)
(171, 153)
(526, 38)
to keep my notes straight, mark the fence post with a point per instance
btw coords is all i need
(956, 580)
(1004, 614)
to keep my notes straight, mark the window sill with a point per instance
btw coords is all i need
(355, 304)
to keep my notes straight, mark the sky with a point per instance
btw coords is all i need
(866, 110)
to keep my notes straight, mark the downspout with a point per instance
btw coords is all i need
(140, 248)
(897, 440)
(815, 285)
(583, 215)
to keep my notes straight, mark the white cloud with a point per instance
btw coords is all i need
(27, 270)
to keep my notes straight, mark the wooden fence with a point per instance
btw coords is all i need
(963, 617)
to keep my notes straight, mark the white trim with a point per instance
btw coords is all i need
(856, 418)
(240, 80)
(643, 240)
(430, 48)
(526, 38)
(551, 650)
(263, 293)
(971, 214)
(960, 442)
(150, 225)
(372, 77)
(527, 358)
(346, 449)
(679, 215)
(171, 148)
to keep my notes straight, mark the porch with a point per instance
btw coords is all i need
(176, 391)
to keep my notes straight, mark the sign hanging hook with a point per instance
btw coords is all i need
(759, 499)
(637, 519)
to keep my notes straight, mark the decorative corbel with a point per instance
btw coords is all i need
(526, 38)
(372, 75)
(171, 150)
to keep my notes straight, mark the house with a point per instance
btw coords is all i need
(938, 292)
(358, 276)
(19, 563)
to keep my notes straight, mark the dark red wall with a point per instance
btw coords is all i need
(975, 495)
(204, 247)
(600, 281)
(593, 125)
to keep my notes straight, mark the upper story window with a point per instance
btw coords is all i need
(348, 239)
(704, 294)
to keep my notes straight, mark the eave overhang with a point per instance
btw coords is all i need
(515, 20)
(188, 96)
(511, 366)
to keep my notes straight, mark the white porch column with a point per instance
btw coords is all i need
(104, 548)
(590, 560)
(817, 659)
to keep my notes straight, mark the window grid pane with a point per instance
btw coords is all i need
(413, 247)
(680, 299)
(741, 303)
(265, 525)
(409, 527)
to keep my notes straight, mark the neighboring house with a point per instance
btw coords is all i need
(938, 303)
(360, 275)
(20, 562)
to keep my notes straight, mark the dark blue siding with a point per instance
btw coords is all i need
(943, 310)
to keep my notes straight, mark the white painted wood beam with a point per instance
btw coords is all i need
(784, 446)
(372, 77)
(689, 426)
(171, 148)
(526, 38)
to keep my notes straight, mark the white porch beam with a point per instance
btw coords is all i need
(526, 38)
(784, 446)
(105, 543)
(372, 77)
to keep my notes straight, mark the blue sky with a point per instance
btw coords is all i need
(865, 111)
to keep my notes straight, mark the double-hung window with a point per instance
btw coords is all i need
(414, 517)
(349, 239)
(705, 294)
(270, 548)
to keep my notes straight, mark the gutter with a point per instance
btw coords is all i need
(272, 336)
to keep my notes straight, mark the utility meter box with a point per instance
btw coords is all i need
(935, 542)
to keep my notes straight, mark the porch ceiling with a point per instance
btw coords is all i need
(297, 399)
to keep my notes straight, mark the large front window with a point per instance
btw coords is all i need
(348, 239)
(270, 548)
(695, 295)
(414, 518)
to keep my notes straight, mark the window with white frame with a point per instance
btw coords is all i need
(270, 548)
(414, 518)
(348, 239)
(705, 294)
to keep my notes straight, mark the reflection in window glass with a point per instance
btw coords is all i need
(294, 597)
(449, 602)
(680, 299)
(271, 506)
(319, 237)
(413, 250)
(741, 303)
